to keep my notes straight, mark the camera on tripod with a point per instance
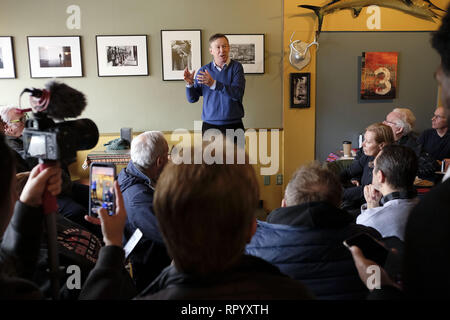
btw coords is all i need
(45, 139)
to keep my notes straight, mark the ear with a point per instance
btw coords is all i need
(399, 131)
(210, 50)
(283, 203)
(252, 230)
(382, 145)
(381, 176)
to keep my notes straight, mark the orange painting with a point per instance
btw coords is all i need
(379, 75)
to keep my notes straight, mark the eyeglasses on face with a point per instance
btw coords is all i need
(21, 119)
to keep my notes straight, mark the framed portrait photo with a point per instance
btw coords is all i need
(7, 70)
(180, 49)
(248, 49)
(55, 56)
(122, 55)
(300, 90)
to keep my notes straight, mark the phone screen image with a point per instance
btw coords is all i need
(101, 189)
(370, 247)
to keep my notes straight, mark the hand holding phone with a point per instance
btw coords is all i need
(112, 225)
(101, 191)
(370, 247)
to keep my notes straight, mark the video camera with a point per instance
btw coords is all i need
(45, 139)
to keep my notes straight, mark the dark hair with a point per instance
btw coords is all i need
(7, 170)
(441, 42)
(216, 36)
(311, 183)
(205, 213)
(399, 165)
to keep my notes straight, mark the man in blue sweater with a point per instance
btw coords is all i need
(222, 85)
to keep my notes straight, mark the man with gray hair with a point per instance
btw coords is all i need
(149, 155)
(402, 122)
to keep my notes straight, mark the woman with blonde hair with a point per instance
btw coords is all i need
(359, 173)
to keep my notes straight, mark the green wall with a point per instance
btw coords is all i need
(147, 102)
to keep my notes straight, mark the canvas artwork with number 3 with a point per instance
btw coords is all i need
(379, 75)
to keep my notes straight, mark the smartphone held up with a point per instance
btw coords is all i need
(370, 247)
(101, 188)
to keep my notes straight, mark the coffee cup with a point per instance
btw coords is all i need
(347, 146)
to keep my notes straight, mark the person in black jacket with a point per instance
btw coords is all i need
(304, 238)
(20, 242)
(436, 141)
(402, 122)
(206, 213)
(377, 135)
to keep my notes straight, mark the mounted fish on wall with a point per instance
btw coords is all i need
(418, 8)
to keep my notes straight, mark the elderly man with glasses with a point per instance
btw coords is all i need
(13, 125)
(436, 141)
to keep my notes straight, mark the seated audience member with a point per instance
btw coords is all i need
(436, 141)
(394, 172)
(427, 237)
(13, 125)
(206, 215)
(304, 238)
(21, 241)
(402, 122)
(149, 155)
(73, 202)
(359, 172)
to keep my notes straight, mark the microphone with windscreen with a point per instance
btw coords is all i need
(49, 140)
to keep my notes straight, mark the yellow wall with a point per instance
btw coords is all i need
(299, 124)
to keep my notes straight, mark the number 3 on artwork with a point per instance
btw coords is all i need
(383, 85)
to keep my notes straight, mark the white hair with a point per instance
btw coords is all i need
(146, 147)
(4, 112)
(407, 120)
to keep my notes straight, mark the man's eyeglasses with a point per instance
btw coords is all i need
(438, 116)
(21, 119)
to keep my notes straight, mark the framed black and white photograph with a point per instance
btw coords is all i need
(55, 57)
(300, 90)
(7, 70)
(180, 49)
(122, 55)
(248, 49)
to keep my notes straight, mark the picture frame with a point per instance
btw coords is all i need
(7, 67)
(379, 74)
(180, 49)
(55, 56)
(248, 49)
(300, 84)
(122, 55)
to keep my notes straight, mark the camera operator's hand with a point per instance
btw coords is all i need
(48, 179)
(112, 226)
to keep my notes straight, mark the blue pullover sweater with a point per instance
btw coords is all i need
(224, 104)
